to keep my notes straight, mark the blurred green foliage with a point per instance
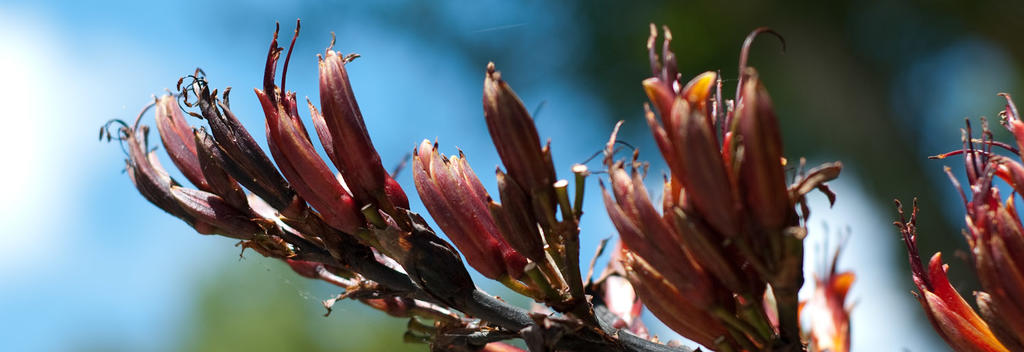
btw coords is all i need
(258, 304)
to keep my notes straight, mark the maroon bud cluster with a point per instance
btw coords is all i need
(459, 203)
(729, 225)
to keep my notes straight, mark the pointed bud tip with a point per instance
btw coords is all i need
(700, 87)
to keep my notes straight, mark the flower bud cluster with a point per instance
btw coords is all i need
(996, 238)
(729, 224)
(530, 239)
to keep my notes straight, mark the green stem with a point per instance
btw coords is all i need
(541, 282)
(581, 177)
(746, 331)
(517, 286)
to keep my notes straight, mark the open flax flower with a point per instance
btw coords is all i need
(826, 310)
(996, 238)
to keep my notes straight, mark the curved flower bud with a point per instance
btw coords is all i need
(151, 179)
(459, 204)
(515, 221)
(686, 137)
(297, 158)
(761, 174)
(647, 233)
(176, 136)
(212, 209)
(211, 161)
(350, 146)
(239, 154)
(726, 201)
(206, 212)
(704, 176)
(674, 307)
(515, 137)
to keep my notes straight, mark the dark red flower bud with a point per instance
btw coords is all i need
(295, 155)
(392, 189)
(647, 233)
(686, 138)
(211, 209)
(240, 155)
(515, 137)
(761, 174)
(176, 136)
(515, 220)
(672, 305)
(150, 178)
(212, 164)
(704, 177)
(353, 151)
(458, 203)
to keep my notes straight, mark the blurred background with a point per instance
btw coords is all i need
(89, 265)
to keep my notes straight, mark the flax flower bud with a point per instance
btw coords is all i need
(193, 158)
(949, 314)
(648, 234)
(349, 144)
(212, 164)
(518, 144)
(297, 158)
(151, 179)
(212, 209)
(761, 174)
(176, 136)
(663, 269)
(686, 137)
(458, 203)
(206, 212)
(238, 153)
(514, 219)
(674, 305)
(726, 208)
(704, 171)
